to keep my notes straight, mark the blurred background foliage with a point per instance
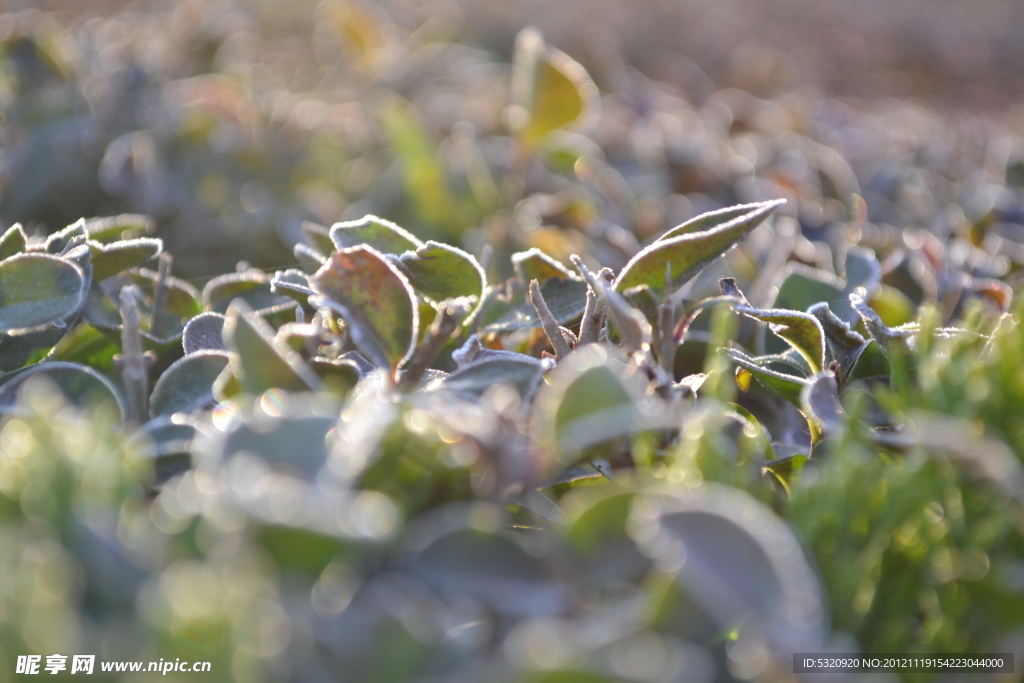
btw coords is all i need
(474, 533)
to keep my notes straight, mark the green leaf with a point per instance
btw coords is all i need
(440, 272)
(80, 384)
(599, 539)
(643, 299)
(566, 298)
(318, 237)
(534, 264)
(760, 433)
(376, 301)
(13, 241)
(339, 376)
(862, 270)
(873, 363)
(59, 241)
(802, 330)
(166, 442)
(785, 385)
(100, 310)
(110, 259)
(549, 89)
(292, 283)
(19, 350)
(425, 178)
(293, 443)
(689, 252)
(803, 287)
(180, 306)
(844, 346)
(892, 306)
(257, 360)
(889, 339)
(382, 235)
(477, 377)
(735, 559)
(786, 470)
(37, 290)
(86, 345)
(127, 226)
(493, 569)
(589, 398)
(187, 385)
(707, 221)
(205, 332)
(253, 286)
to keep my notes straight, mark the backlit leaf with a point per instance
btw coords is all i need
(889, 339)
(382, 235)
(549, 88)
(788, 386)
(441, 272)
(690, 252)
(534, 264)
(253, 286)
(376, 301)
(318, 237)
(801, 330)
(292, 283)
(111, 259)
(127, 226)
(13, 241)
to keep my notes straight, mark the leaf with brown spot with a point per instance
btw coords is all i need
(375, 299)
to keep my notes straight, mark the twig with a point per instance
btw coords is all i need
(551, 326)
(133, 362)
(160, 290)
(593, 318)
(447, 321)
(666, 321)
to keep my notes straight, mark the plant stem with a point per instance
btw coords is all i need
(160, 290)
(447, 321)
(551, 327)
(134, 365)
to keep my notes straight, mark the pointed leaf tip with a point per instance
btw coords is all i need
(688, 251)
